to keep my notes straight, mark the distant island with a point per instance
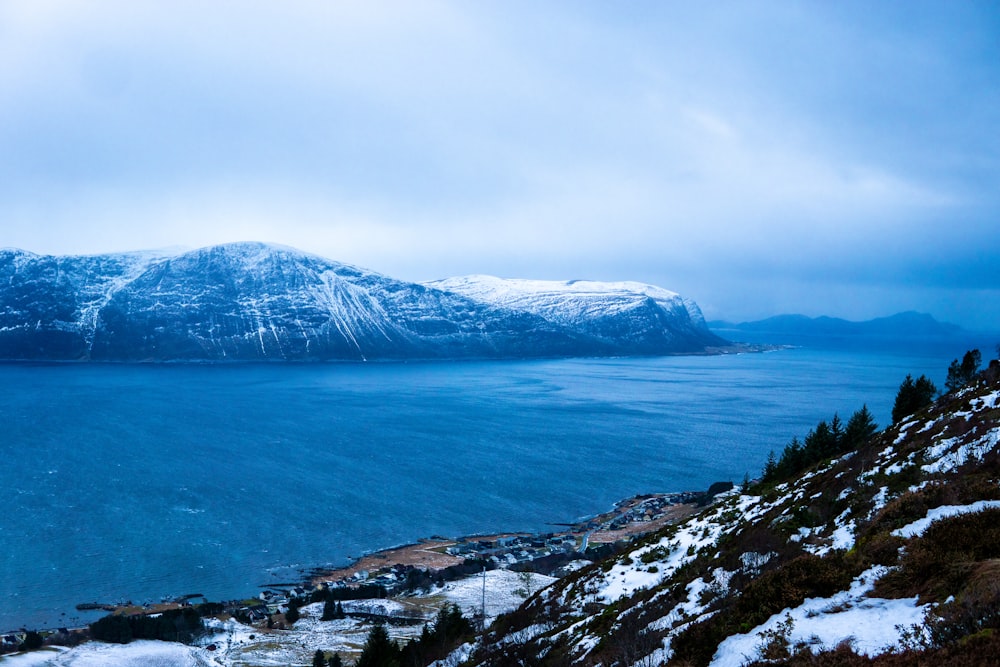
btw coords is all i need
(901, 326)
(260, 302)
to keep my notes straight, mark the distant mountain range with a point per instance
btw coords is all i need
(256, 302)
(902, 325)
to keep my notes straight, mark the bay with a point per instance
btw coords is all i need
(138, 482)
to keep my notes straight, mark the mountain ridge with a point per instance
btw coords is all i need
(906, 324)
(258, 302)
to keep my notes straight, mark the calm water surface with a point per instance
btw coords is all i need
(138, 482)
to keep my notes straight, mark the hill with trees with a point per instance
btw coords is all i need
(875, 551)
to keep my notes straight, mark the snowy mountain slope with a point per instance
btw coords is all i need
(49, 306)
(255, 301)
(642, 318)
(889, 554)
(252, 301)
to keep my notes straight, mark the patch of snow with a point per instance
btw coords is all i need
(574, 565)
(972, 450)
(38, 658)
(753, 561)
(928, 426)
(938, 450)
(141, 653)
(679, 549)
(903, 428)
(505, 591)
(691, 607)
(456, 657)
(920, 525)
(871, 624)
(843, 536)
(879, 500)
(986, 402)
(895, 468)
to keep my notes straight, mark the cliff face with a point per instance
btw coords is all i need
(887, 555)
(252, 301)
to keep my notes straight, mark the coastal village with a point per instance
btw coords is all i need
(409, 569)
(404, 587)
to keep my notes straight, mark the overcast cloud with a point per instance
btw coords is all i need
(825, 158)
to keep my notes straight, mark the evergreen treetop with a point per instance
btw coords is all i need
(961, 374)
(913, 396)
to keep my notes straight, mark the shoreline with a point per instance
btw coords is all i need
(430, 553)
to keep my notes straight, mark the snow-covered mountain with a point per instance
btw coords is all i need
(252, 301)
(889, 554)
(635, 317)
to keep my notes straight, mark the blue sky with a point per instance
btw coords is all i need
(838, 158)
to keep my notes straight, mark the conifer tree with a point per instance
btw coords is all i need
(335, 661)
(770, 467)
(332, 610)
(912, 397)
(860, 427)
(836, 434)
(961, 374)
(379, 650)
(319, 659)
(292, 615)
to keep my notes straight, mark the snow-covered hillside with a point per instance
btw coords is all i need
(253, 301)
(889, 551)
(636, 316)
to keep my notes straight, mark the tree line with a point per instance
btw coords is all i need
(915, 395)
(174, 625)
(833, 438)
(827, 440)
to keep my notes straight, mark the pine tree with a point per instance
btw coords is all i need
(793, 457)
(292, 615)
(961, 374)
(379, 650)
(335, 661)
(770, 468)
(332, 610)
(836, 435)
(319, 659)
(860, 428)
(912, 397)
(456, 625)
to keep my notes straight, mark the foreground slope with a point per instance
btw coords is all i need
(889, 554)
(253, 301)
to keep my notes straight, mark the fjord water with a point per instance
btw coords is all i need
(143, 481)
